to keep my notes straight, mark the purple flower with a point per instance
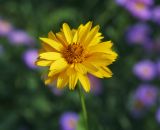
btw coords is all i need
(18, 37)
(139, 10)
(156, 14)
(158, 115)
(147, 2)
(144, 97)
(145, 70)
(137, 107)
(96, 85)
(69, 120)
(30, 57)
(122, 2)
(5, 28)
(147, 94)
(138, 33)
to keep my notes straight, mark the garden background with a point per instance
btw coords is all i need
(128, 101)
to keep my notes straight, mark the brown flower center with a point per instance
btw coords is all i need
(74, 53)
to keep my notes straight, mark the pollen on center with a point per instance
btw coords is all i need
(74, 53)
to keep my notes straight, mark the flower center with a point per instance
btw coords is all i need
(72, 123)
(74, 53)
(140, 6)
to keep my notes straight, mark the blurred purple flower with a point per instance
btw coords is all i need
(137, 107)
(30, 57)
(18, 37)
(96, 85)
(147, 2)
(147, 94)
(142, 99)
(158, 115)
(124, 2)
(139, 9)
(156, 14)
(138, 33)
(5, 28)
(145, 70)
(69, 120)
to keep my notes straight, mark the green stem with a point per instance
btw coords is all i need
(81, 94)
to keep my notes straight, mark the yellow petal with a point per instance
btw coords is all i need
(56, 45)
(75, 37)
(96, 39)
(62, 80)
(50, 55)
(97, 74)
(50, 80)
(67, 33)
(84, 81)
(43, 63)
(51, 35)
(97, 59)
(47, 47)
(84, 31)
(73, 80)
(90, 67)
(106, 72)
(103, 72)
(61, 38)
(80, 68)
(104, 47)
(102, 59)
(91, 35)
(74, 31)
(58, 66)
(70, 69)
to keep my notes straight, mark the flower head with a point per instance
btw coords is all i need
(139, 9)
(18, 37)
(73, 53)
(147, 94)
(136, 107)
(144, 97)
(145, 70)
(68, 121)
(138, 34)
(30, 57)
(124, 2)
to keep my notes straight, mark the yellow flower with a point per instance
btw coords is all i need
(73, 53)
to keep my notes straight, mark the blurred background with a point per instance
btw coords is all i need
(130, 100)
